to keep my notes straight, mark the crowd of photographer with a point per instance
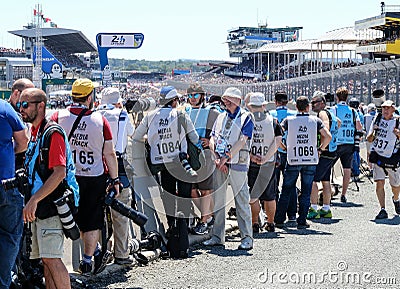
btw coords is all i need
(73, 170)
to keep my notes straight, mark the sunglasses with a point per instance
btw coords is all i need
(197, 95)
(25, 104)
(315, 102)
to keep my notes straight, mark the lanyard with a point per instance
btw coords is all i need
(197, 115)
(233, 122)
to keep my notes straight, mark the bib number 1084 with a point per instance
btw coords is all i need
(303, 151)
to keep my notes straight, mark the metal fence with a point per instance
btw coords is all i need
(360, 80)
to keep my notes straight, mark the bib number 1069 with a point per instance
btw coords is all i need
(303, 151)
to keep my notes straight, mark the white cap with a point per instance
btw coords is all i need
(257, 99)
(110, 95)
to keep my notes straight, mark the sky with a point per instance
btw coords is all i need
(178, 29)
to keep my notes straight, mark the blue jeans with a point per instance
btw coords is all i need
(11, 227)
(289, 191)
(292, 207)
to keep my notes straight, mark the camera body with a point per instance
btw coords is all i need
(137, 105)
(329, 97)
(137, 217)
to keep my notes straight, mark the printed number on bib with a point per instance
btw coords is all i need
(167, 147)
(259, 151)
(380, 143)
(83, 157)
(303, 151)
(348, 133)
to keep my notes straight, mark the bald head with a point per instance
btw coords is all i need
(18, 86)
(34, 94)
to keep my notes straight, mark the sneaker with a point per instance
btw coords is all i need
(85, 268)
(382, 215)
(270, 227)
(200, 229)
(214, 241)
(100, 262)
(246, 244)
(292, 219)
(397, 207)
(303, 226)
(280, 225)
(343, 199)
(211, 222)
(325, 214)
(313, 214)
(256, 228)
(124, 261)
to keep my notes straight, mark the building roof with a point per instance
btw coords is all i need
(69, 40)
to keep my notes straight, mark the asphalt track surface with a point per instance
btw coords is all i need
(351, 250)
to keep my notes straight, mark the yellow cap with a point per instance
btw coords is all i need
(82, 87)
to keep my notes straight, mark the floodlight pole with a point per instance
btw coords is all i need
(37, 69)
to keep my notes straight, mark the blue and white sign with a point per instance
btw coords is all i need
(106, 41)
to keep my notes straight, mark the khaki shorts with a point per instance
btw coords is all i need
(394, 176)
(47, 238)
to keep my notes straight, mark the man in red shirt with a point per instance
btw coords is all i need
(47, 230)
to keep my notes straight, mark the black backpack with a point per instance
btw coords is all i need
(178, 242)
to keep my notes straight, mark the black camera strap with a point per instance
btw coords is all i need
(76, 122)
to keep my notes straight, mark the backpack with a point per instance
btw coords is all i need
(178, 242)
(46, 207)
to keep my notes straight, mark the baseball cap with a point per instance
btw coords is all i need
(257, 99)
(232, 92)
(82, 87)
(318, 93)
(371, 106)
(195, 88)
(169, 92)
(110, 95)
(388, 103)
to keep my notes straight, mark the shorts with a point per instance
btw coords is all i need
(259, 181)
(47, 238)
(92, 191)
(394, 176)
(207, 184)
(345, 154)
(323, 170)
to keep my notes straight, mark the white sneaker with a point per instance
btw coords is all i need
(214, 241)
(246, 244)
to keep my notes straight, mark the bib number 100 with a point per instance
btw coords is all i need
(303, 151)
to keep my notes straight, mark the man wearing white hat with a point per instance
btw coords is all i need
(267, 136)
(121, 128)
(230, 138)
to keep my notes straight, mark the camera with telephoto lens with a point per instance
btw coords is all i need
(329, 97)
(151, 241)
(357, 138)
(185, 163)
(70, 228)
(23, 183)
(137, 105)
(137, 217)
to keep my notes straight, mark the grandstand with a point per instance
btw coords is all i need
(63, 43)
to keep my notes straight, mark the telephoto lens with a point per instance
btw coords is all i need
(137, 217)
(357, 139)
(186, 165)
(70, 228)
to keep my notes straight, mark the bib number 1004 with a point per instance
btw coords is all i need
(303, 151)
